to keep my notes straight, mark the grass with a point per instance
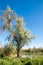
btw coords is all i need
(21, 61)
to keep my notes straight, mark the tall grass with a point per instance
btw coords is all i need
(21, 61)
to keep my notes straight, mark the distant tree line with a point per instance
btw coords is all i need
(33, 50)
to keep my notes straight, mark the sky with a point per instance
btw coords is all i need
(32, 11)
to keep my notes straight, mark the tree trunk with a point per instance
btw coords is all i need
(18, 52)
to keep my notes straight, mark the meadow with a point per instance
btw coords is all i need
(21, 61)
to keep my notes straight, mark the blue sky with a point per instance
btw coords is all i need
(32, 11)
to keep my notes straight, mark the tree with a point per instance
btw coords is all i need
(23, 36)
(19, 34)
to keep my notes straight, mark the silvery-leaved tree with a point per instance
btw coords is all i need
(19, 34)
